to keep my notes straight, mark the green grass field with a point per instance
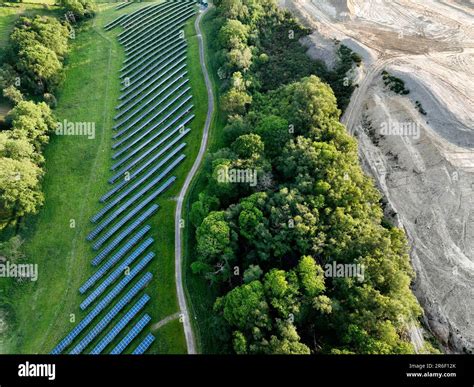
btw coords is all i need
(77, 173)
(201, 297)
(7, 19)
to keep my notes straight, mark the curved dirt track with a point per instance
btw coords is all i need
(188, 330)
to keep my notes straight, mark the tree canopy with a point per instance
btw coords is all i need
(265, 246)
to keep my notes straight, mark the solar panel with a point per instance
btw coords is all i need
(123, 5)
(148, 120)
(156, 72)
(111, 246)
(144, 42)
(134, 29)
(151, 140)
(64, 343)
(155, 105)
(157, 26)
(144, 345)
(115, 331)
(155, 55)
(132, 176)
(138, 97)
(118, 272)
(113, 260)
(136, 16)
(102, 324)
(131, 335)
(127, 204)
(143, 103)
(117, 226)
(142, 181)
(174, 41)
(160, 39)
(155, 125)
(145, 154)
(150, 173)
(115, 22)
(145, 62)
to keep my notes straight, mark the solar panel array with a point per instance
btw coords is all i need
(134, 332)
(115, 258)
(144, 345)
(121, 325)
(118, 272)
(153, 114)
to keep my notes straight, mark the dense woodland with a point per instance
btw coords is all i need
(31, 72)
(264, 246)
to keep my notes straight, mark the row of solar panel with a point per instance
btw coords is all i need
(115, 274)
(144, 345)
(123, 221)
(145, 16)
(134, 28)
(156, 72)
(136, 172)
(119, 239)
(135, 197)
(157, 27)
(150, 119)
(144, 61)
(114, 23)
(176, 113)
(131, 335)
(131, 165)
(108, 317)
(117, 328)
(144, 82)
(113, 259)
(144, 103)
(155, 43)
(180, 128)
(150, 109)
(136, 16)
(144, 115)
(123, 5)
(84, 323)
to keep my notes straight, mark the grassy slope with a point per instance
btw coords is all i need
(7, 19)
(77, 170)
(199, 294)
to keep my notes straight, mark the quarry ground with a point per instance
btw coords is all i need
(427, 172)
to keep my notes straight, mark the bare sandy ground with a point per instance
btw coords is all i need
(427, 175)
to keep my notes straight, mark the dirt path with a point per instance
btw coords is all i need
(165, 321)
(188, 331)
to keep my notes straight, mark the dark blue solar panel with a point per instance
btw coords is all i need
(101, 306)
(116, 309)
(132, 176)
(131, 335)
(114, 332)
(119, 272)
(144, 345)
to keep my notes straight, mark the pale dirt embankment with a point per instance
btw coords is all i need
(427, 178)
